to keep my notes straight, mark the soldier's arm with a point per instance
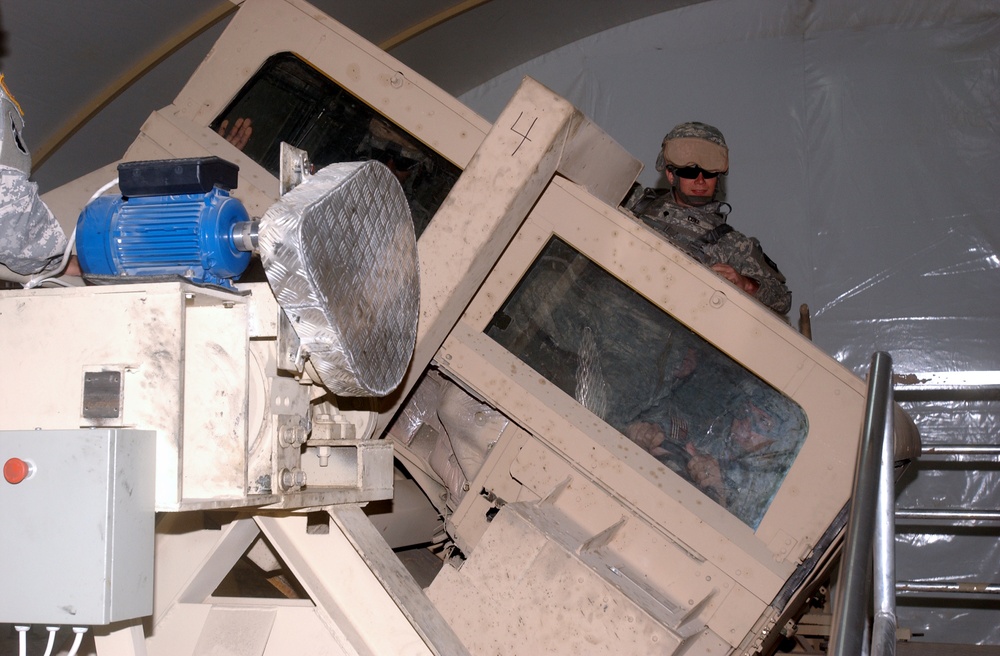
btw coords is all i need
(748, 258)
(31, 240)
(774, 294)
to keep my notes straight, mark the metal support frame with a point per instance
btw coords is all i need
(361, 601)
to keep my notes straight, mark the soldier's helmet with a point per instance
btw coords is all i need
(694, 144)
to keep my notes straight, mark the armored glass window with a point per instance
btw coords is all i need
(675, 395)
(288, 100)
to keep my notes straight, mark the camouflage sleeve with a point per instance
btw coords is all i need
(31, 239)
(748, 258)
(634, 195)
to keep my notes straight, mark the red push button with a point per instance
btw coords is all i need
(16, 470)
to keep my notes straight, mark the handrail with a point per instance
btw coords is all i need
(884, 625)
(871, 520)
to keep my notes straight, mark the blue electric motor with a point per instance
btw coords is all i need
(174, 218)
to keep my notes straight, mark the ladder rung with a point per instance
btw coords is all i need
(954, 515)
(964, 587)
(948, 386)
(960, 450)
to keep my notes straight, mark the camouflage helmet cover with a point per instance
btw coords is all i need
(694, 144)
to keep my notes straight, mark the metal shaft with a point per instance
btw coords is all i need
(884, 563)
(850, 609)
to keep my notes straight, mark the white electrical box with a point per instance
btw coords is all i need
(170, 357)
(78, 510)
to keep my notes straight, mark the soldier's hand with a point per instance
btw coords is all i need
(239, 134)
(73, 267)
(749, 285)
(704, 470)
(646, 434)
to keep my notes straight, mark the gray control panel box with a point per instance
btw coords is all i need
(78, 514)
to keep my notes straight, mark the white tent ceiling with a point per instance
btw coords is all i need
(64, 61)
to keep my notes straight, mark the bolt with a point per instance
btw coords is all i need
(291, 479)
(291, 435)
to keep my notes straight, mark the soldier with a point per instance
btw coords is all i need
(693, 156)
(31, 240)
(388, 144)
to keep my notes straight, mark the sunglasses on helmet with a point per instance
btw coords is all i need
(692, 173)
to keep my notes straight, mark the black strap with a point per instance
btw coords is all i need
(717, 233)
(648, 196)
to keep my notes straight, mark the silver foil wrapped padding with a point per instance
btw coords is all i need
(340, 255)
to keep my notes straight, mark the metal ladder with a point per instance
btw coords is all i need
(870, 538)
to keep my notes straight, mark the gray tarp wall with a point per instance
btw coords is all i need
(865, 155)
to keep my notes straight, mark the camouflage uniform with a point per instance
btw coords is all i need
(696, 230)
(31, 240)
